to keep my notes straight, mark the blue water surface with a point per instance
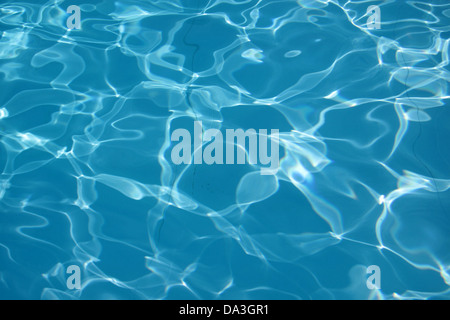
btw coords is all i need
(87, 179)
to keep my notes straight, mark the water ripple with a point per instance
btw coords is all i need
(86, 179)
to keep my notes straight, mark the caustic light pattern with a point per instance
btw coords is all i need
(359, 100)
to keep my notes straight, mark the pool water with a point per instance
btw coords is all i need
(87, 177)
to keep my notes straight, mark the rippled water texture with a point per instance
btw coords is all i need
(86, 118)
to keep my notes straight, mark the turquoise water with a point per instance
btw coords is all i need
(86, 118)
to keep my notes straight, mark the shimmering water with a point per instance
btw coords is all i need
(86, 118)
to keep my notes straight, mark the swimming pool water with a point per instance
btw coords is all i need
(87, 178)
